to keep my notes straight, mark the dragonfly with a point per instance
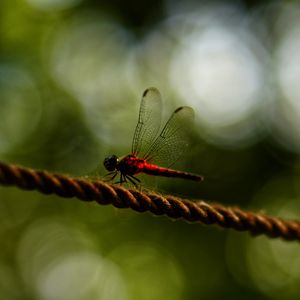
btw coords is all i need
(151, 148)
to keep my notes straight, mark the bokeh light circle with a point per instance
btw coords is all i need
(64, 264)
(286, 120)
(220, 70)
(52, 5)
(20, 106)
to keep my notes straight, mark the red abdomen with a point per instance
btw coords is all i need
(165, 172)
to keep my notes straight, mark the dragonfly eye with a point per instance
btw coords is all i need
(110, 163)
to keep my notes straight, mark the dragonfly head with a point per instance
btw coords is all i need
(111, 162)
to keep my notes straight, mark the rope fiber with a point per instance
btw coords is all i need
(173, 207)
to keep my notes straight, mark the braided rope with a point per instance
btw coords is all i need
(173, 207)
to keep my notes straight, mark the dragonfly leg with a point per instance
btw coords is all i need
(135, 181)
(121, 179)
(130, 179)
(113, 175)
(134, 178)
(109, 174)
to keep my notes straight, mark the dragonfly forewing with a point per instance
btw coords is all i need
(148, 123)
(173, 139)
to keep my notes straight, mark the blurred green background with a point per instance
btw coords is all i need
(71, 76)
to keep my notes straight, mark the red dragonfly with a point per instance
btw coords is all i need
(150, 150)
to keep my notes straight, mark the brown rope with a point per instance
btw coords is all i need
(103, 193)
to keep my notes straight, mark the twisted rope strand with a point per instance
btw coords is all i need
(173, 207)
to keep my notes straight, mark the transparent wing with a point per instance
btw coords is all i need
(173, 140)
(149, 122)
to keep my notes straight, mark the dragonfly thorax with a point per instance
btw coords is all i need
(130, 165)
(111, 162)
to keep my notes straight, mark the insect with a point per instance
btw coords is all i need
(151, 150)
